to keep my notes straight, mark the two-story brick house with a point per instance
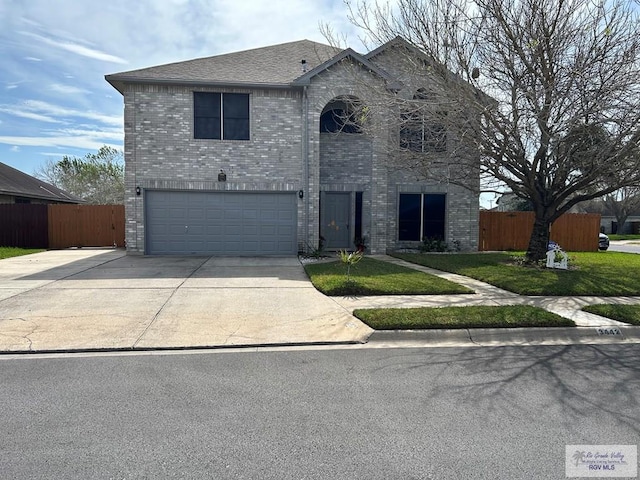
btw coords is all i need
(246, 154)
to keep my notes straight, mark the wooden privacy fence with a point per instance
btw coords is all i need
(23, 225)
(61, 226)
(577, 232)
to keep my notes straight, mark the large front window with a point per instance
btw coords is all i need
(221, 116)
(421, 215)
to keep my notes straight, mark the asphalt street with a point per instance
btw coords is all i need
(437, 413)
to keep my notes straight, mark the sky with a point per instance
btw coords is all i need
(54, 100)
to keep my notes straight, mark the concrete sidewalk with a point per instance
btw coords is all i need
(93, 299)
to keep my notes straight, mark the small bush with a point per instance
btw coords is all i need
(430, 244)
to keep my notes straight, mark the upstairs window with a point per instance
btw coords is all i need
(342, 115)
(221, 116)
(419, 134)
(422, 129)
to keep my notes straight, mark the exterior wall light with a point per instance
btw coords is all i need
(138, 191)
(222, 177)
(300, 194)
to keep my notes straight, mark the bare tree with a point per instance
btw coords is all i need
(547, 92)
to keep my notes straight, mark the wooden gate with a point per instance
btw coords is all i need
(86, 226)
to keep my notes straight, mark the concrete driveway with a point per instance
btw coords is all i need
(103, 299)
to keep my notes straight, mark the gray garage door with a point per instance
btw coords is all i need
(220, 223)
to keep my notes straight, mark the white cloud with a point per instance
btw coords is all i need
(77, 49)
(90, 53)
(47, 112)
(33, 59)
(55, 154)
(67, 89)
(18, 112)
(117, 135)
(15, 148)
(87, 143)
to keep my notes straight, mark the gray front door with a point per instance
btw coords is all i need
(220, 223)
(334, 221)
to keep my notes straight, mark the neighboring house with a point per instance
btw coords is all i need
(609, 224)
(608, 221)
(245, 154)
(509, 202)
(18, 187)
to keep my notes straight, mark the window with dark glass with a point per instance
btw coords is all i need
(221, 115)
(421, 134)
(340, 116)
(423, 130)
(421, 215)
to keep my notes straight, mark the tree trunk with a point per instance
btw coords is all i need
(539, 240)
(622, 219)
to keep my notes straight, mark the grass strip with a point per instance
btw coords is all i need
(629, 236)
(460, 317)
(8, 252)
(622, 313)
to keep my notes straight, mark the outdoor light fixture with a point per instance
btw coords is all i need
(138, 191)
(222, 177)
(300, 194)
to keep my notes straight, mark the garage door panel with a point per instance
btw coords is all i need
(221, 223)
(213, 213)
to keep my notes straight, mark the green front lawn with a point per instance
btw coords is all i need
(591, 273)
(375, 277)
(460, 317)
(622, 313)
(7, 252)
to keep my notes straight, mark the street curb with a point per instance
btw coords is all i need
(176, 348)
(478, 337)
(508, 336)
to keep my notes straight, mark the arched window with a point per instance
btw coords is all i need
(340, 115)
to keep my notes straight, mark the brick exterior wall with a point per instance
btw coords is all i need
(286, 152)
(161, 153)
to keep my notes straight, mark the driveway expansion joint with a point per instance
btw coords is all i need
(157, 314)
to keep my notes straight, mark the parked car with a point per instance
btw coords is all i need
(603, 242)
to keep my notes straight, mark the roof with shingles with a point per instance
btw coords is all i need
(275, 65)
(16, 183)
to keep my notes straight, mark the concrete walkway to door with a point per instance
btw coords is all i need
(86, 299)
